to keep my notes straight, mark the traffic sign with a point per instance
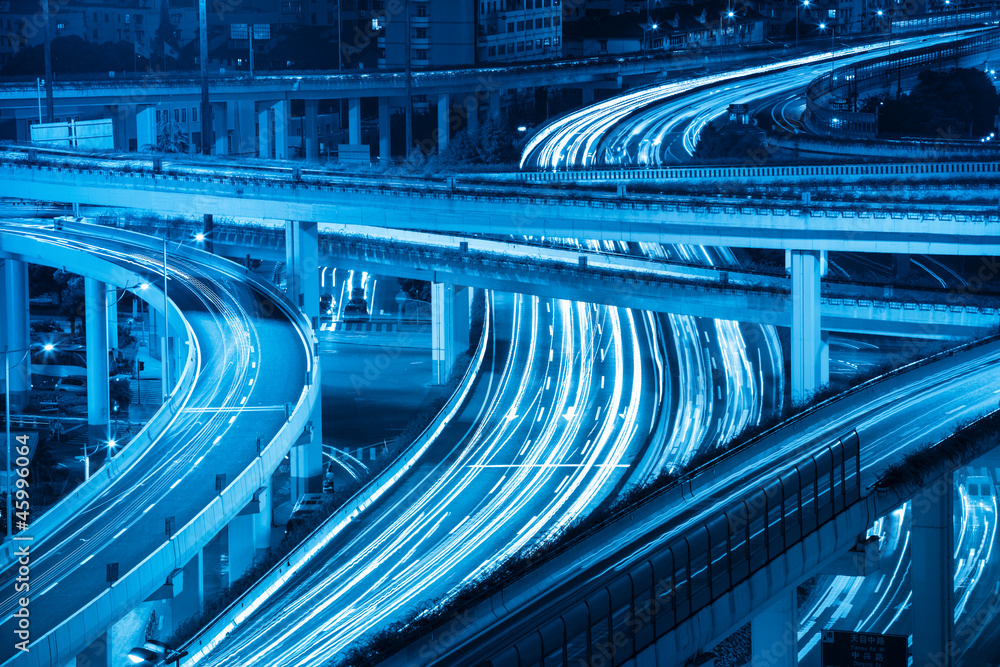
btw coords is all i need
(863, 649)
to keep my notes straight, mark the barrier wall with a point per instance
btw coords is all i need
(201, 645)
(64, 642)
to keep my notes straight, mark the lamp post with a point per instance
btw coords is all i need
(154, 652)
(805, 3)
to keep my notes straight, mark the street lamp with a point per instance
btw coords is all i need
(154, 652)
(805, 3)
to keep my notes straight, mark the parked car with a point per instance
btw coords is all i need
(73, 384)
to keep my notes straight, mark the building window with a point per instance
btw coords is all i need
(60, 26)
(548, 22)
(177, 115)
(531, 45)
(492, 51)
(520, 26)
(421, 33)
(238, 31)
(538, 23)
(194, 114)
(510, 26)
(421, 54)
(421, 10)
(128, 18)
(555, 20)
(184, 115)
(520, 46)
(105, 17)
(502, 49)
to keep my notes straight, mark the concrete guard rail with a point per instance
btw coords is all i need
(679, 576)
(888, 171)
(58, 256)
(64, 642)
(203, 643)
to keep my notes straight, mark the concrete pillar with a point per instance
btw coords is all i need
(588, 96)
(16, 317)
(281, 114)
(309, 137)
(98, 413)
(444, 122)
(241, 543)
(472, 114)
(265, 128)
(145, 127)
(100, 652)
(932, 537)
(354, 121)
(494, 105)
(302, 276)
(112, 317)
(242, 122)
(384, 130)
(264, 516)
(901, 265)
(189, 597)
(807, 343)
(774, 632)
(220, 128)
(449, 327)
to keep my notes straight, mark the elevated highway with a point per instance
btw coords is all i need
(198, 474)
(612, 279)
(689, 565)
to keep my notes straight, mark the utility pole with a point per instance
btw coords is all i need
(206, 110)
(409, 100)
(49, 105)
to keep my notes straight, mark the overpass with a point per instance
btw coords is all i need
(612, 279)
(137, 531)
(805, 228)
(729, 543)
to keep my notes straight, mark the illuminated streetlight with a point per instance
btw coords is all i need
(805, 3)
(199, 237)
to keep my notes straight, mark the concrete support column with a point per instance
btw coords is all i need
(472, 113)
(494, 105)
(932, 537)
(302, 277)
(354, 121)
(112, 317)
(16, 324)
(444, 121)
(265, 128)
(281, 114)
(241, 543)
(774, 632)
(807, 340)
(242, 125)
(98, 413)
(189, 598)
(145, 126)
(309, 137)
(220, 128)
(901, 265)
(449, 327)
(99, 652)
(384, 130)
(263, 517)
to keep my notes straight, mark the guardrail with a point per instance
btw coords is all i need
(846, 82)
(201, 645)
(158, 424)
(64, 641)
(866, 171)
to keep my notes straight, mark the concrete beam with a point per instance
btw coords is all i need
(16, 330)
(112, 317)
(932, 537)
(98, 413)
(220, 127)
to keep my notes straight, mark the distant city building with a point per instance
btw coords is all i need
(519, 30)
(442, 33)
(678, 26)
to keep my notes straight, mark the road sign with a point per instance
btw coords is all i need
(863, 649)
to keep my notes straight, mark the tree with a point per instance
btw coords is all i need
(495, 144)
(72, 302)
(172, 139)
(960, 103)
